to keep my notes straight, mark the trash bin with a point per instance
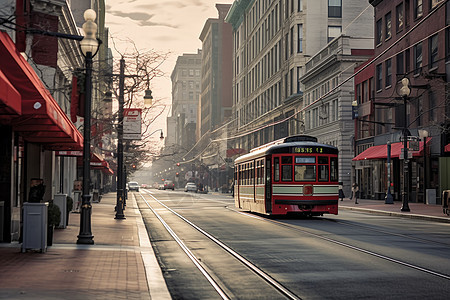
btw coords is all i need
(35, 226)
(445, 196)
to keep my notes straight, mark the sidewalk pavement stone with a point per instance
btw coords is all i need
(112, 268)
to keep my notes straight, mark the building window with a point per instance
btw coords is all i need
(379, 74)
(379, 34)
(418, 8)
(407, 61)
(387, 27)
(291, 79)
(299, 38)
(292, 41)
(432, 106)
(335, 8)
(299, 5)
(399, 17)
(433, 51)
(388, 67)
(299, 74)
(333, 32)
(400, 66)
(286, 41)
(433, 3)
(418, 58)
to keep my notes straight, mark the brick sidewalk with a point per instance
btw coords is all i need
(120, 265)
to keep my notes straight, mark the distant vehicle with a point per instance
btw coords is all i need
(133, 186)
(169, 185)
(144, 186)
(161, 186)
(155, 185)
(190, 186)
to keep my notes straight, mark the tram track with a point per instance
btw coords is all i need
(223, 292)
(347, 245)
(369, 228)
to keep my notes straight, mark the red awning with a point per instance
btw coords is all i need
(380, 151)
(42, 120)
(108, 171)
(96, 162)
(10, 100)
(447, 148)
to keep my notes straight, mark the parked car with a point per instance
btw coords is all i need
(133, 186)
(161, 186)
(144, 186)
(169, 185)
(190, 187)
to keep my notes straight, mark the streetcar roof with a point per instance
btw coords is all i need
(277, 148)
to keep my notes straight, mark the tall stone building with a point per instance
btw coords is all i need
(186, 77)
(216, 99)
(272, 41)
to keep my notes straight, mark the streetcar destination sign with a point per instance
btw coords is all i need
(308, 150)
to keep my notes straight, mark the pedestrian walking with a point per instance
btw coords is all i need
(355, 192)
(341, 192)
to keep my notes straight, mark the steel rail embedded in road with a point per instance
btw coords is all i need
(286, 292)
(384, 257)
(188, 252)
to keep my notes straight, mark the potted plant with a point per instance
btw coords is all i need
(54, 218)
(69, 208)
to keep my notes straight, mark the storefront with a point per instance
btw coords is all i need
(32, 127)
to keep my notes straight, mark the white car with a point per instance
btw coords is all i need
(190, 186)
(133, 186)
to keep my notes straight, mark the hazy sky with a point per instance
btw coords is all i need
(165, 26)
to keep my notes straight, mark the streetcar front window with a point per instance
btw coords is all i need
(323, 168)
(323, 173)
(286, 171)
(305, 173)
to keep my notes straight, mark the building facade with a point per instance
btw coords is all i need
(186, 80)
(38, 138)
(328, 97)
(411, 41)
(272, 41)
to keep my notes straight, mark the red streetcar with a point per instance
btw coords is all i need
(292, 175)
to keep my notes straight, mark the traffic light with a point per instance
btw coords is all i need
(177, 174)
(178, 164)
(133, 167)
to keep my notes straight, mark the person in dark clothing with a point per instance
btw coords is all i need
(341, 192)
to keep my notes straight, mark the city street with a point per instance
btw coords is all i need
(351, 255)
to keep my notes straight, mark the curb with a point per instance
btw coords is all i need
(397, 214)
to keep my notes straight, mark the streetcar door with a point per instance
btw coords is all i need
(268, 184)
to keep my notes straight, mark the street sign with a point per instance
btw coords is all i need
(132, 123)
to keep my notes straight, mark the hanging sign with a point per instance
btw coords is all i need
(132, 123)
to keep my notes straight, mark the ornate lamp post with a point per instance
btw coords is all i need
(89, 46)
(405, 91)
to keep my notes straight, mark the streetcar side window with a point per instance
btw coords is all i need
(323, 168)
(334, 169)
(286, 168)
(276, 169)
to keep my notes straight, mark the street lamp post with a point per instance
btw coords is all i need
(89, 46)
(405, 92)
(120, 174)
